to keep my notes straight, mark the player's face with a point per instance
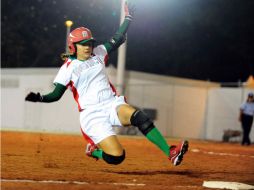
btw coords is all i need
(84, 51)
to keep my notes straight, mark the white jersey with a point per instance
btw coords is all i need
(87, 79)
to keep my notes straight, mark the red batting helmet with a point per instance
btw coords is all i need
(80, 34)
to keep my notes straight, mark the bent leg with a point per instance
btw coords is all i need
(111, 145)
(110, 151)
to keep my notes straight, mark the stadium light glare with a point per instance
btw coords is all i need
(68, 24)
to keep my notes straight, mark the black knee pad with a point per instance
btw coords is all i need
(142, 121)
(110, 159)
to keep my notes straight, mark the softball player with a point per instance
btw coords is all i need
(100, 107)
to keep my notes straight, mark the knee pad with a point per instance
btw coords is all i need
(110, 159)
(142, 121)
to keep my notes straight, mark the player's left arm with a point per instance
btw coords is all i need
(120, 36)
(53, 96)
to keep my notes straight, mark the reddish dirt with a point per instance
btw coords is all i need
(40, 156)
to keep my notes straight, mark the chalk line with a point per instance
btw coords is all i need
(68, 182)
(220, 153)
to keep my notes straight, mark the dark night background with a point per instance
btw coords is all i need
(198, 39)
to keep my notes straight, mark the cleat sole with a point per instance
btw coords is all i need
(184, 149)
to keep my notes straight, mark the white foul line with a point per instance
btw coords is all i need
(220, 153)
(67, 182)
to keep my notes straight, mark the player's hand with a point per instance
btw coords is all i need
(129, 9)
(34, 97)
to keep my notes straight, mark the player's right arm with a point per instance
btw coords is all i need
(53, 96)
(120, 36)
(61, 82)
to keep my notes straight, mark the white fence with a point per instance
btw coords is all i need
(182, 110)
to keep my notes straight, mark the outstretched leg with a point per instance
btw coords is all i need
(129, 115)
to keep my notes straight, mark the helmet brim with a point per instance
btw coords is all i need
(84, 41)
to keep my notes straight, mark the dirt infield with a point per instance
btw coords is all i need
(50, 161)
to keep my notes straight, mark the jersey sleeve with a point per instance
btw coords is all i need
(63, 76)
(102, 53)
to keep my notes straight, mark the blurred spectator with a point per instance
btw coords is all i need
(246, 118)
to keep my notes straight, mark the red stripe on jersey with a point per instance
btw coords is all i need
(75, 94)
(113, 88)
(88, 139)
(115, 92)
(106, 59)
(69, 62)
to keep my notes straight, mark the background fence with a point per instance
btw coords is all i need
(182, 110)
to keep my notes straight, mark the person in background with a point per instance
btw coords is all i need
(246, 118)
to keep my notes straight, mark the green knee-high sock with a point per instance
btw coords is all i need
(97, 153)
(156, 138)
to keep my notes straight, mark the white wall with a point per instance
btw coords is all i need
(186, 108)
(180, 109)
(223, 111)
(17, 114)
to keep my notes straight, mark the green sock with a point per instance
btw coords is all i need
(97, 153)
(156, 138)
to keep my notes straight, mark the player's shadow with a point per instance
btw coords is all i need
(189, 173)
(156, 172)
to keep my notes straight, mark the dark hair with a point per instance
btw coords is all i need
(64, 56)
